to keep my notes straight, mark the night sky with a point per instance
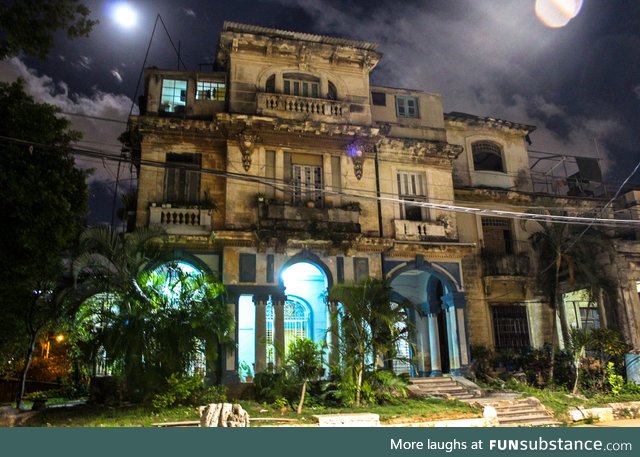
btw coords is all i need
(579, 84)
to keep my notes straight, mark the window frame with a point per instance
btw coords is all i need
(489, 148)
(176, 104)
(403, 110)
(519, 320)
(489, 224)
(415, 183)
(217, 90)
(182, 181)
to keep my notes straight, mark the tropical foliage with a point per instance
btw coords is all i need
(304, 360)
(151, 322)
(366, 324)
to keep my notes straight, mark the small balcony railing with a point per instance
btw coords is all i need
(181, 221)
(419, 230)
(317, 108)
(496, 264)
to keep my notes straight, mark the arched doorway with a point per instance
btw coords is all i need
(305, 312)
(439, 322)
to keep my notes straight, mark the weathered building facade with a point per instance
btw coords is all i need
(285, 172)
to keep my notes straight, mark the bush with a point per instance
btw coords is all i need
(188, 391)
(271, 386)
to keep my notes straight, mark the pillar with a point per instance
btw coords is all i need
(278, 332)
(434, 344)
(230, 353)
(261, 334)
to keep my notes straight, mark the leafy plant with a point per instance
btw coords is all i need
(188, 391)
(304, 360)
(615, 380)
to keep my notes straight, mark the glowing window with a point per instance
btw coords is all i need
(487, 156)
(208, 90)
(174, 96)
(296, 324)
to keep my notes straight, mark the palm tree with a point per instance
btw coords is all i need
(365, 322)
(569, 253)
(112, 264)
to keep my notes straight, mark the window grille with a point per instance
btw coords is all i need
(497, 235)
(487, 156)
(307, 184)
(510, 327)
(296, 325)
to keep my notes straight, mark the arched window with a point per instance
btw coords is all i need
(270, 85)
(487, 156)
(333, 92)
(296, 324)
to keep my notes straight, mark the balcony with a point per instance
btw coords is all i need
(420, 230)
(506, 264)
(282, 221)
(181, 221)
(294, 107)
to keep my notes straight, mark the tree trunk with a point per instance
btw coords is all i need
(575, 384)
(23, 375)
(304, 390)
(559, 304)
(554, 339)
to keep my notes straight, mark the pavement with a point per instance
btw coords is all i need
(616, 423)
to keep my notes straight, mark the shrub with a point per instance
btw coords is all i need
(188, 391)
(615, 380)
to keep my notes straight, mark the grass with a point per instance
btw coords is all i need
(405, 410)
(560, 401)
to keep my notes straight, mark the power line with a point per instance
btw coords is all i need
(284, 186)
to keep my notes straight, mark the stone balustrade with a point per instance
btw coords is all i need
(181, 221)
(318, 108)
(418, 230)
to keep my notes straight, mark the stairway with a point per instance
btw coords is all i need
(444, 387)
(523, 412)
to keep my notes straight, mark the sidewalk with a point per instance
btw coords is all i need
(616, 423)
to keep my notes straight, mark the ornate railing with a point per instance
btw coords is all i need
(181, 220)
(277, 103)
(506, 264)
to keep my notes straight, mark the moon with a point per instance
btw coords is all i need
(557, 13)
(125, 15)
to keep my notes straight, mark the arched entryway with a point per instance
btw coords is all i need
(439, 338)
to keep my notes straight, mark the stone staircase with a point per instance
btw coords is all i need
(450, 387)
(523, 412)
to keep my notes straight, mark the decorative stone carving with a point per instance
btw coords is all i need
(356, 151)
(248, 140)
(420, 149)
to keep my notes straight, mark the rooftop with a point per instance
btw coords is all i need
(258, 30)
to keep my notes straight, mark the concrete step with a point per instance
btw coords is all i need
(517, 412)
(444, 386)
(532, 423)
(524, 417)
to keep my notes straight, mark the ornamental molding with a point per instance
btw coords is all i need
(247, 139)
(356, 150)
(420, 149)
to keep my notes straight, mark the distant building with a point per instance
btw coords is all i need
(285, 172)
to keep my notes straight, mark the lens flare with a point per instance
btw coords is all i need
(557, 13)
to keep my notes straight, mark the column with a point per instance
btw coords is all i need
(278, 332)
(334, 338)
(279, 194)
(230, 353)
(261, 334)
(454, 349)
(434, 345)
